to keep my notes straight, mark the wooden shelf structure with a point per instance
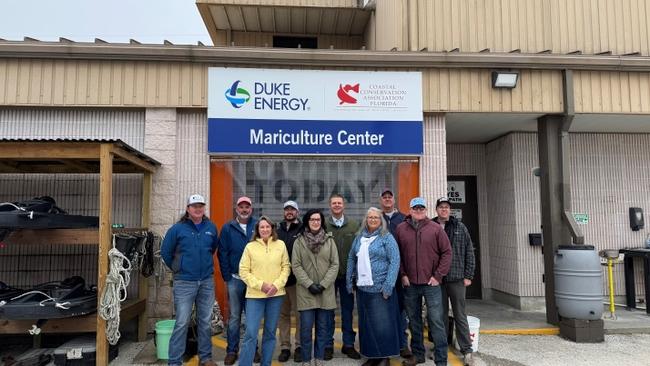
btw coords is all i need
(103, 157)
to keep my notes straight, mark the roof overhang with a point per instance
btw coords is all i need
(464, 128)
(318, 18)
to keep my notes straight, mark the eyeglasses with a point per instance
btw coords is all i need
(314, 220)
(418, 208)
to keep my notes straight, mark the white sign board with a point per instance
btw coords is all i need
(456, 191)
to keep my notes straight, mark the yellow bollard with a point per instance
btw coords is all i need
(610, 278)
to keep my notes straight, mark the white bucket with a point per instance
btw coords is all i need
(474, 325)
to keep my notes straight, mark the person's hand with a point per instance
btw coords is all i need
(272, 291)
(386, 296)
(467, 282)
(405, 281)
(320, 288)
(314, 289)
(433, 281)
(265, 287)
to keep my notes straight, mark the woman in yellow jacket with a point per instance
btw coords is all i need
(264, 267)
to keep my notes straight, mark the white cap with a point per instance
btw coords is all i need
(195, 198)
(291, 204)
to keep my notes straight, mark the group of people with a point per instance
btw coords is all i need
(389, 263)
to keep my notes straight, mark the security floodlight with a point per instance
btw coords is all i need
(504, 79)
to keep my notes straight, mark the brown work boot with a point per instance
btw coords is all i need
(230, 359)
(284, 355)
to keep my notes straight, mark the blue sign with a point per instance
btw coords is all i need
(257, 136)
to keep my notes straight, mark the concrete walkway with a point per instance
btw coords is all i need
(501, 339)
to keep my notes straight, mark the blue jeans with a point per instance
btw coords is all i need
(347, 307)
(186, 294)
(236, 303)
(308, 318)
(256, 309)
(413, 300)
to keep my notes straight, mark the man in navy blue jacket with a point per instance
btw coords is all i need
(187, 250)
(235, 234)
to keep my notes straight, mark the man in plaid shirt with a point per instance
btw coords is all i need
(459, 277)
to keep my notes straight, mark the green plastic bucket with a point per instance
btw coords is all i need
(164, 330)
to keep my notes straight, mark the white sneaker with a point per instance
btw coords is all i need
(468, 359)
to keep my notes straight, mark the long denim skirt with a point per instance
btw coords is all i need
(378, 324)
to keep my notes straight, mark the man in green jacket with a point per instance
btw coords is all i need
(343, 229)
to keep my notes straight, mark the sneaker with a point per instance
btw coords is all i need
(318, 362)
(258, 357)
(284, 355)
(413, 360)
(230, 359)
(468, 359)
(305, 364)
(405, 352)
(351, 352)
(297, 355)
(329, 353)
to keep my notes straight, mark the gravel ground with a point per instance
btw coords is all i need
(629, 350)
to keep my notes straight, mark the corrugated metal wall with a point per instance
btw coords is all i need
(611, 92)
(469, 159)
(156, 84)
(76, 193)
(102, 83)
(531, 26)
(192, 159)
(457, 90)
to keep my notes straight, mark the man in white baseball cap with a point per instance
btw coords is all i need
(187, 250)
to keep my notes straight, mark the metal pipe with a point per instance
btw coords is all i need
(610, 279)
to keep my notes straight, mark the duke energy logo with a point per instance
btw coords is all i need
(237, 96)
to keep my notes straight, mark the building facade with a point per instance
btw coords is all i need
(479, 143)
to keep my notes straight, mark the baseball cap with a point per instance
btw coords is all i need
(418, 201)
(244, 199)
(442, 200)
(291, 204)
(195, 198)
(385, 190)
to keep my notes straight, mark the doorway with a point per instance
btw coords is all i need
(463, 196)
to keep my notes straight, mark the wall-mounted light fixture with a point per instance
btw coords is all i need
(504, 79)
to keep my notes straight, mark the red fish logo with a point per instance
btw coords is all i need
(344, 95)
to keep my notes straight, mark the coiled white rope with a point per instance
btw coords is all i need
(117, 279)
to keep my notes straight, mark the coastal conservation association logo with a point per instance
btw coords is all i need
(237, 96)
(344, 93)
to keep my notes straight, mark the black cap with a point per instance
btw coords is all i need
(442, 200)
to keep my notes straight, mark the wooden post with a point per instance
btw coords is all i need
(105, 209)
(143, 282)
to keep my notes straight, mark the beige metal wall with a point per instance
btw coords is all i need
(469, 159)
(258, 39)
(433, 164)
(465, 90)
(176, 84)
(611, 92)
(531, 26)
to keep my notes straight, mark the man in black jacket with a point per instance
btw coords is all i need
(460, 275)
(288, 231)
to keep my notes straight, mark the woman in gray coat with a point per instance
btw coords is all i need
(315, 263)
